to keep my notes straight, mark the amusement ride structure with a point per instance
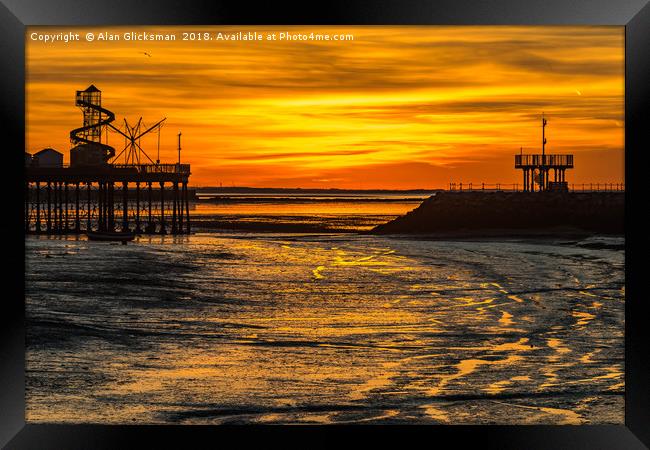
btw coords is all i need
(90, 150)
(54, 202)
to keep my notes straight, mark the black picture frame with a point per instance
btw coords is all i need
(15, 15)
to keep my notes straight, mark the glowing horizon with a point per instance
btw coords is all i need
(396, 108)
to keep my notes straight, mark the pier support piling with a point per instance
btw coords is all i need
(163, 230)
(88, 210)
(55, 210)
(100, 206)
(181, 210)
(137, 208)
(38, 207)
(151, 227)
(65, 198)
(174, 204)
(111, 206)
(77, 222)
(65, 208)
(49, 207)
(125, 206)
(26, 194)
(187, 209)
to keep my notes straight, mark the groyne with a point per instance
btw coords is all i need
(488, 213)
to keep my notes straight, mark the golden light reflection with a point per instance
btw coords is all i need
(276, 339)
(506, 319)
(567, 417)
(583, 318)
(468, 366)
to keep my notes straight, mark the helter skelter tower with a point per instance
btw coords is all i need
(90, 102)
(90, 151)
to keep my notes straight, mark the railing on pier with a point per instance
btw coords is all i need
(563, 161)
(518, 187)
(183, 169)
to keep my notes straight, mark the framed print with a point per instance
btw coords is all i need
(415, 217)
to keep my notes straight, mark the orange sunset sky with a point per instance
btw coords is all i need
(396, 108)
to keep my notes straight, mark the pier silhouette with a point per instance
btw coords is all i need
(96, 193)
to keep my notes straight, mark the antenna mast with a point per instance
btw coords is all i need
(158, 154)
(543, 137)
(179, 147)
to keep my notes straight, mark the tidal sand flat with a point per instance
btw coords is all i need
(241, 327)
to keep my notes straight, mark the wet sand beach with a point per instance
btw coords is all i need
(325, 328)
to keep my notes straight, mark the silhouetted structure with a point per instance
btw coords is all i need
(536, 168)
(48, 157)
(94, 194)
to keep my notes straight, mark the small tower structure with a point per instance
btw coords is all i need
(90, 103)
(89, 149)
(536, 168)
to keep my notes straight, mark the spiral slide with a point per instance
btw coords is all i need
(75, 135)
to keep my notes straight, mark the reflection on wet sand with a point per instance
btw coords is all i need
(436, 413)
(323, 329)
(468, 366)
(566, 417)
(506, 319)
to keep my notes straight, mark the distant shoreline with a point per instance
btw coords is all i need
(252, 190)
